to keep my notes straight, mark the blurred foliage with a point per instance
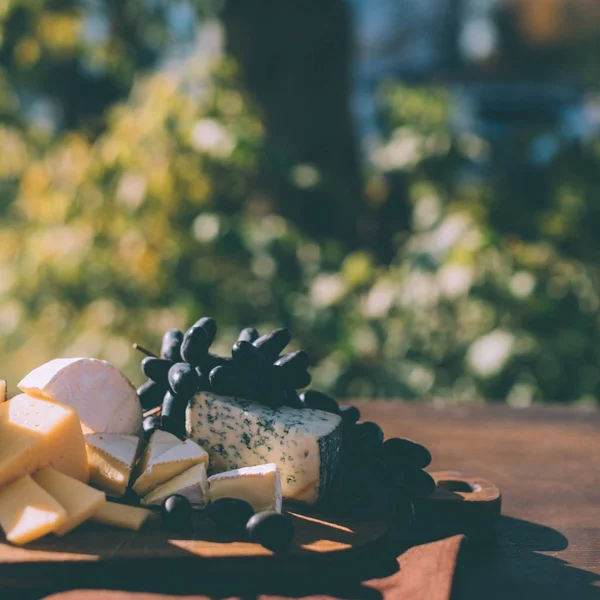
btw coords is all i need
(112, 238)
(69, 59)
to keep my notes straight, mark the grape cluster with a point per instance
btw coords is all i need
(393, 468)
(273, 530)
(256, 370)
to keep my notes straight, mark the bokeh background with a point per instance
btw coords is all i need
(412, 186)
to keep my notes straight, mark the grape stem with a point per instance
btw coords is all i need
(153, 411)
(144, 350)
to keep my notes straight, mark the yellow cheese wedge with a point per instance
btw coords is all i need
(120, 515)
(111, 458)
(2, 390)
(28, 512)
(35, 433)
(159, 465)
(79, 500)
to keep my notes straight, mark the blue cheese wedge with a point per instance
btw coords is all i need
(165, 457)
(191, 483)
(259, 486)
(236, 433)
(111, 458)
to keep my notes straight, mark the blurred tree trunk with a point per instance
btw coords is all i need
(295, 59)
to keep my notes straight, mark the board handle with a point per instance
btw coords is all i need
(459, 504)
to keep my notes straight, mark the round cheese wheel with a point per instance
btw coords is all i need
(103, 397)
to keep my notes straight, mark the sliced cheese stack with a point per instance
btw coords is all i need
(165, 457)
(191, 483)
(35, 433)
(28, 512)
(259, 486)
(236, 433)
(121, 515)
(79, 500)
(111, 458)
(105, 399)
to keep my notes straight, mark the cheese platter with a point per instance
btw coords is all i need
(214, 460)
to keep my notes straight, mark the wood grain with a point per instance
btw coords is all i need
(543, 459)
(94, 542)
(546, 462)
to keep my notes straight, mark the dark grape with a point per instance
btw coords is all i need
(171, 345)
(299, 380)
(176, 512)
(420, 483)
(271, 344)
(203, 380)
(367, 435)
(267, 391)
(225, 381)
(150, 425)
(209, 325)
(248, 335)
(292, 399)
(320, 401)
(350, 414)
(271, 529)
(402, 450)
(408, 480)
(183, 379)
(151, 394)
(249, 359)
(172, 417)
(210, 361)
(156, 369)
(229, 514)
(294, 362)
(195, 345)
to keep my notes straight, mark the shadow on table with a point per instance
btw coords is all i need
(514, 567)
(186, 580)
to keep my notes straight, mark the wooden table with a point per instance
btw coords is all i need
(546, 462)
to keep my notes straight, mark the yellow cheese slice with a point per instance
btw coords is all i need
(28, 512)
(159, 465)
(35, 433)
(111, 458)
(79, 500)
(121, 515)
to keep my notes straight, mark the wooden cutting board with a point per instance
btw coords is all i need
(97, 555)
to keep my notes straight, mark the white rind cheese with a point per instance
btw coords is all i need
(237, 433)
(104, 398)
(191, 483)
(166, 456)
(111, 458)
(259, 486)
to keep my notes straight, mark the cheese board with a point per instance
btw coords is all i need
(214, 465)
(94, 556)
